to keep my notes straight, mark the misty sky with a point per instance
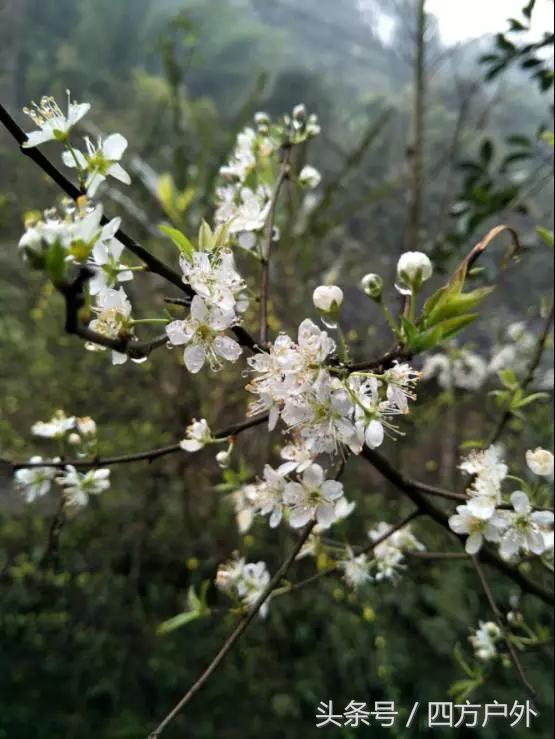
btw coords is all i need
(463, 19)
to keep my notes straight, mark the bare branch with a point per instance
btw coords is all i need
(499, 619)
(415, 491)
(267, 239)
(236, 633)
(148, 455)
(153, 264)
(534, 364)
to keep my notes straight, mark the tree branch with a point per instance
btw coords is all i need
(267, 239)
(236, 633)
(153, 264)
(148, 455)
(534, 363)
(415, 491)
(499, 619)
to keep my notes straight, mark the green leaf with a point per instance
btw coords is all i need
(532, 398)
(206, 240)
(177, 622)
(486, 151)
(456, 305)
(545, 235)
(56, 265)
(180, 240)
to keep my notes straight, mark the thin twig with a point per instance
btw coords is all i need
(499, 619)
(153, 264)
(148, 454)
(236, 633)
(412, 489)
(534, 364)
(267, 239)
(333, 569)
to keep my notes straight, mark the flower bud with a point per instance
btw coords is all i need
(328, 298)
(413, 269)
(223, 459)
(372, 285)
(299, 111)
(74, 439)
(540, 461)
(261, 118)
(309, 177)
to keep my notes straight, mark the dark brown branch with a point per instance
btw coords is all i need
(51, 555)
(398, 354)
(267, 239)
(153, 264)
(416, 492)
(236, 633)
(73, 293)
(499, 619)
(147, 455)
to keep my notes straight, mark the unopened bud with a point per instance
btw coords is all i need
(372, 285)
(328, 298)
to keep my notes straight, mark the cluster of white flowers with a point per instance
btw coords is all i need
(458, 368)
(324, 411)
(310, 496)
(79, 232)
(244, 582)
(485, 639)
(77, 434)
(521, 529)
(388, 555)
(387, 559)
(217, 306)
(243, 199)
(462, 368)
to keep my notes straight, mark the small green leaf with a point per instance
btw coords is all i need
(205, 237)
(180, 240)
(177, 622)
(545, 235)
(56, 265)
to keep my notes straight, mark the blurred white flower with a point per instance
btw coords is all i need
(34, 482)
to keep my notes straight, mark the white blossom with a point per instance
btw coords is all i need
(355, 569)
(245, 581)
(478, 529)
(113, 319)
(459, 369)
(78, 486)
(309, 177)
(540, 462)
(526, 530)
(105, 260)
(312, 497)
(215, 279)
(198, 434)
(56, 428)
(485, 639)
(388, 555)
(100, 161)
(53, 124)
(34, 482)
(202, 332)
